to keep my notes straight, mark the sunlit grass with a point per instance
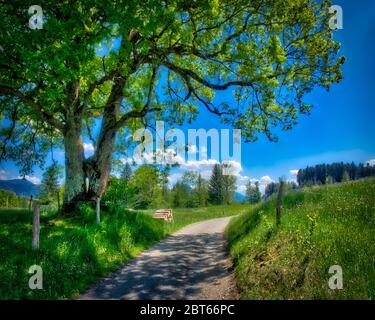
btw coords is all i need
(75, 252)
(320, 227)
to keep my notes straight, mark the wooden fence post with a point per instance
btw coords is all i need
(36, 227)
(30, 202)
(279, 202)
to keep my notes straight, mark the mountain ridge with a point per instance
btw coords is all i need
(20, 187)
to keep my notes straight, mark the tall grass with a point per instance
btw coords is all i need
(320, 227)
(73, 252)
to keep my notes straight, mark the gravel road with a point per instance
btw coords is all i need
(192, 263)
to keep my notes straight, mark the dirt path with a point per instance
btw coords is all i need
(191, 264)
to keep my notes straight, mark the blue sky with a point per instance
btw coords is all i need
(341, 125)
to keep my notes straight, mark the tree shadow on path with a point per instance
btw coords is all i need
(179, 267)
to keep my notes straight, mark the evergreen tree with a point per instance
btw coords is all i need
(360, 171)
(201, 190)
(329, 180)
(127, 172)
(271, 189)
(215, 186)
(50, 188)
(125, 195)
(180, 195)
(197, 189)
(352, 171)
(332, 173)
(345, 177)
(229, 184)
(253, 195)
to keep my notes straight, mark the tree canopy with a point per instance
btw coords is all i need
(127, 63)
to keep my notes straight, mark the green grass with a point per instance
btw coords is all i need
(320, 227)
(75, 252)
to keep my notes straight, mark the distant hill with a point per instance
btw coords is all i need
(20, 187)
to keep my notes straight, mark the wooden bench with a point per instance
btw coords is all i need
(165, 214)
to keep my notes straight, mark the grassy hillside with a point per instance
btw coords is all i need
(320, 227)
(75, 252)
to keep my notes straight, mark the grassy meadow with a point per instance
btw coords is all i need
(75, 252)
(320, 227)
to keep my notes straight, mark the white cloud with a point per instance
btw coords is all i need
(173, 178)
(4, 175)
(294, 172)
(265, 180)
(88, 147)
(232, 167)
(34, 180)
(371, 162)
(206, 174)
(241, 189)
(243, 180)
(198, 165)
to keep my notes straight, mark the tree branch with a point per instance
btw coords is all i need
(146, 108)
(190, 74)
(89, 133)
(9, 91)
(108, 76)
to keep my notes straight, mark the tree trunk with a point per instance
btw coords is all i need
(97, 168)
(74, 159)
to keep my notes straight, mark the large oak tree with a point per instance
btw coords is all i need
(127, 63)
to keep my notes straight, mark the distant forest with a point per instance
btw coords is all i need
(147, 187)
(323, 174)
(333, 173)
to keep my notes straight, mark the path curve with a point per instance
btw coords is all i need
(192, 263)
